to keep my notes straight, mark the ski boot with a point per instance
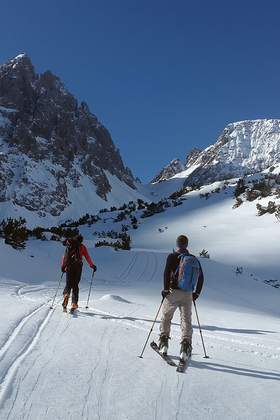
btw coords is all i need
(74, 307)
(65, 302)
(163, 344)
(186, 350)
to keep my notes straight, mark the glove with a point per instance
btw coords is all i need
(165, 293)
(63, 269)
(94, 267)
(195, 296)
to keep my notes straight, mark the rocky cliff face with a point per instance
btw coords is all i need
(50, 144)
(243, 148)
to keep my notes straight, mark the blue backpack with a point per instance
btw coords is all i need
(188, 272)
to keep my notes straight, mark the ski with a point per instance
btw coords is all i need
(166, 358)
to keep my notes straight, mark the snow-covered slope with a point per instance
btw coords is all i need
(56, 367)
(56, 158)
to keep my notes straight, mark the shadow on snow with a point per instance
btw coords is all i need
(204, 327)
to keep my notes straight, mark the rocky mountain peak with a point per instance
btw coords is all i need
(42, 125)
(192, 156)
(244, 147)
(173, 168)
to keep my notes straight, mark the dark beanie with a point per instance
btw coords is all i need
(182, 241)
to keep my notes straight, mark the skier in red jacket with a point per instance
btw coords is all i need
(72, 264)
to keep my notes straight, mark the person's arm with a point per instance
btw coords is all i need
(199, 283)
(85, 253)
(168, 272)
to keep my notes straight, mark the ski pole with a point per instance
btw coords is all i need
(90, 289)
(51, 307)
(205, 355)
(155, 320)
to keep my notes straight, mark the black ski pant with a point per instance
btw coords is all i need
(73, 277)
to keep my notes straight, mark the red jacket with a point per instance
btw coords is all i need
(83, 253)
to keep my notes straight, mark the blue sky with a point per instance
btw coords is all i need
(163, 76)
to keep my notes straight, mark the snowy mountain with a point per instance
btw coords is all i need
(173, 168)
(56, 158)
(244, 147)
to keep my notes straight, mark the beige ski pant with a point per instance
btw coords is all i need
(182, 300)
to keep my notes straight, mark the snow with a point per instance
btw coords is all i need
(19, 56)
(186, 172)
(213, 224)
(55, 366)
(91, 140)
(114, 297)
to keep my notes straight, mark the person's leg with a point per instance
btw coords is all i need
(67, 288)
(75, 286)
(185, 308)
(169, 307)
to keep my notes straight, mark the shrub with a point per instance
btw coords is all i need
(124, 243)
(14, 232)
(239, 270)
(120, 217)
(134, 222)
(270, 208)
(205, 195)
(237, 203)
(277, 213)
(252, 194)
(240, 188)
(204, 254)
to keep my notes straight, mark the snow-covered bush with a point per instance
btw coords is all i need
(237, 203)
(204, 254)
(270, 208)
(124, 242)
(240, 188)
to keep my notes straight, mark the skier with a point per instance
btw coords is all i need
(183, 281)
(72, 264)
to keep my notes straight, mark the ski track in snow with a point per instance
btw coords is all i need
(9, 373)
(125, 273)
(17, 329)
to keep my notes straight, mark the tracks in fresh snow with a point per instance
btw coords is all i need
(19, 344)
(142, 266)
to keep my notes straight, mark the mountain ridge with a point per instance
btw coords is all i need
(244, 147)
(51, 145)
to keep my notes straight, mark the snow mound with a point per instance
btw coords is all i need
(114, 298)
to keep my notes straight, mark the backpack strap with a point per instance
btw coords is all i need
(180, 256)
